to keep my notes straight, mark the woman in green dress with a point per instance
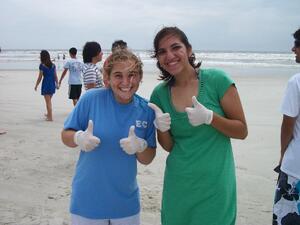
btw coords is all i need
(197, 112)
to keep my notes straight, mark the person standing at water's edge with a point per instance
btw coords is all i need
(286, 208)
(92, 54)
(47, 73)
(197, 112)
(75, 67)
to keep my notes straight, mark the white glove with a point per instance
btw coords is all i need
(199, 114)
(133, 144)
(162, 120)
(85, 139)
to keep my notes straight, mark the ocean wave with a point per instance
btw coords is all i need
(233, 59)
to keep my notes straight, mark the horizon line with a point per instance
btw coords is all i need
(147, 50)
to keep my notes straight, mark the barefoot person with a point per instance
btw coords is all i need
(47, 73)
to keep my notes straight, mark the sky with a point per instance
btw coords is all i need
(219, 25)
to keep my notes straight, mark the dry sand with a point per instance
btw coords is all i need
(36, 169)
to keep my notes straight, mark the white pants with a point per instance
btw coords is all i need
(131, 220)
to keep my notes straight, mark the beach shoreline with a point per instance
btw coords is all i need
(37, 169)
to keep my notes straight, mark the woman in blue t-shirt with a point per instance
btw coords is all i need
(47, 72)
(114, 129)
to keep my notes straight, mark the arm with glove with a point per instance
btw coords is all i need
(162, 123)
(84, 139)
(136, 145)
(232, 124)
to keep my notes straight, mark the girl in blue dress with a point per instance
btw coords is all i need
(47, 73)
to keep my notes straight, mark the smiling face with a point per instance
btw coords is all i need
(124, 80)
(173, 55)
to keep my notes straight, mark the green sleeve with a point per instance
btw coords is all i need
(224, 82)
(220, 81)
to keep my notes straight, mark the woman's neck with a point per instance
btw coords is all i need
(186, 78)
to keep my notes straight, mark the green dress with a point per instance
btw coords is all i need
(199, 181)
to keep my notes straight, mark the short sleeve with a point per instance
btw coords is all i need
(67, 65)
(78, 118)
(90, 76)
(214, 84)
(223, 82)
(291, 99)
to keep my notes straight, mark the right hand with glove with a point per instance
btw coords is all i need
(85, 139)
(162, 120)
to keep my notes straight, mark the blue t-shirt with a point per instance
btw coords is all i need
(105, 185)
(75, 67)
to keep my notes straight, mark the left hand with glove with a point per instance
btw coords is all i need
(199, 114)
(133, 144)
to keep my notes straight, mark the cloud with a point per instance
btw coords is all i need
(210, 24)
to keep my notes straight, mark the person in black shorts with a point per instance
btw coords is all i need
(75, 68)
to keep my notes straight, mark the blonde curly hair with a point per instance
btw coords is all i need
(122, 55)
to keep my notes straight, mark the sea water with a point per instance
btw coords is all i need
(238, 63)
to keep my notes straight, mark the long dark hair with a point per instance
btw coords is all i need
(175, 31)
(45, 58)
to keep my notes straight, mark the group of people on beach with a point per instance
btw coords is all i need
(88, 71)
(193, 111)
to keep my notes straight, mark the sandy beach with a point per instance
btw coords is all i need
(36, 169)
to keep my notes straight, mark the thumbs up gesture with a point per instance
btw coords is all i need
(162, 120)
(85, 139)
(133, 144)
(198, 114)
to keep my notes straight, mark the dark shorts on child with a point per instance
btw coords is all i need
(75, 91)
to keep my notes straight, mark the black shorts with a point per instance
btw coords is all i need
(75, 91)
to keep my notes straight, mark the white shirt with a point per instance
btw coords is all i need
(75, 67)
(291, 107)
